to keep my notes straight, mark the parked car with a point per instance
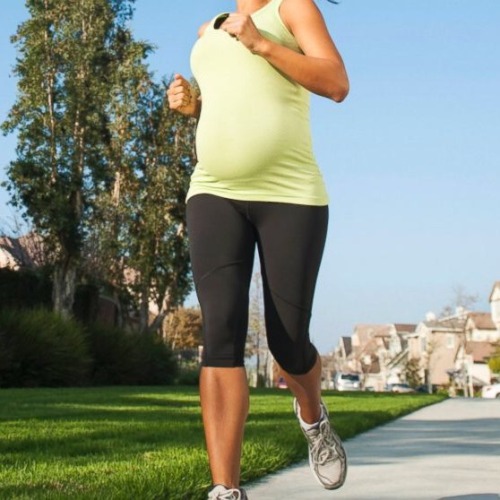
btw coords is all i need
(491, 391)
(347, 382)
(425, 389)
(399, 387)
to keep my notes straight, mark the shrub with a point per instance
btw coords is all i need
(41, 349)
(188, 376)
(25, 289)
(122, 358)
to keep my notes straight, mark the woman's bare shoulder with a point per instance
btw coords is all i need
(293, 10)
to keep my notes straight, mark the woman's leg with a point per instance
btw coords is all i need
(307, 389)
(222, 243)
(224, 404)
(291, 241)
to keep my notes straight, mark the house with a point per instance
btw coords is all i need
(379, 352)
(328, 369)
(23, 252)
(441, 348)
(342, 355)
(482, 335)
(471, 363)
(398, 353)
(480, 327)
(456, 348)
(369, 352)
(435, 344)
(495, 304)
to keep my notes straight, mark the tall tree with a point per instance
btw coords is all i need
(256, 345)
(183, 328)
(140, 222)
(163, 160)
(64, 70)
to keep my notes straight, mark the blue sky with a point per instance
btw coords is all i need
(411, 158)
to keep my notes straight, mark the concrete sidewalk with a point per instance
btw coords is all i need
(448, 451)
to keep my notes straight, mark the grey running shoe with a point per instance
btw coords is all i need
(327, 457)
(220, 492)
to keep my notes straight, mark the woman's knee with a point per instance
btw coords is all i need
(296, 360)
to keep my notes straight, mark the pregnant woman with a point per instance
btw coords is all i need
(257, 185)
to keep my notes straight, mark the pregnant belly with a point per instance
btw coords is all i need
(240, 145)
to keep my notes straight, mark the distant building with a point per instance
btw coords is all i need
(436, 347)
(495, 304)
(23, 252)
(453, 348)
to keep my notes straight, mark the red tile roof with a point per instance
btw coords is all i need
(481, 351)
(482, 320)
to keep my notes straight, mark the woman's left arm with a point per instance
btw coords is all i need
(319, 69)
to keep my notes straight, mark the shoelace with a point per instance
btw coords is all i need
(323, 445)
(233, 494)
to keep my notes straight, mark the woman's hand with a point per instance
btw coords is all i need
(319, 68)
(182, 97)
(241, 27)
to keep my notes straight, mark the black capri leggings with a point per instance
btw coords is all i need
(290, 239)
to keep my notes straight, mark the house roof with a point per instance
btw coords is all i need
(405, 327)
(452, 325)
(23, 249)
(371, 338)
(347, 343)
(480, 351)
(496, 286)
(366, 332)
(482, 320)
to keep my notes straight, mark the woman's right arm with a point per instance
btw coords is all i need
(182, 97)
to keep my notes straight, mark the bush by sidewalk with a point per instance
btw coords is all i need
(38, 348)
(121, 358)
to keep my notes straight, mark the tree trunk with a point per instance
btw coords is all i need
(63, 292)
(144, 311)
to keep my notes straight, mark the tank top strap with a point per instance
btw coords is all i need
(269, 19)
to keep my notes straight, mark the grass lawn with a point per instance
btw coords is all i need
(147, 443)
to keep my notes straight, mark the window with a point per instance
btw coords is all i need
(450, 341)
(495, 310)
(423, 344)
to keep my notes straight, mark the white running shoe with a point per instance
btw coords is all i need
(327, 457)
(220, 492)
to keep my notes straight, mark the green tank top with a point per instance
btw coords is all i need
(253, 140)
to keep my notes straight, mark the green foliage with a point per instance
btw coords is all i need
(139, 223)
(67, 55)
(146, 443)
(123, 358)
(494, 361)
(183, 328)
(188, 375)
(102, 164)
(25, 289)
(30, 289)
(40, 349)
(412, 372)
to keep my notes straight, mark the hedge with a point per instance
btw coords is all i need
(38, 348)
